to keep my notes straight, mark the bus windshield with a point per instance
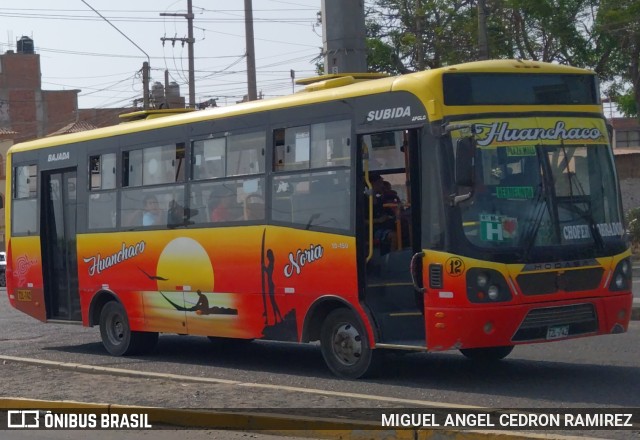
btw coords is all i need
(543, 195)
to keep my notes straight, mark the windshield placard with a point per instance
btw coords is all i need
(514, 192)
(502, 132)
(581, 232)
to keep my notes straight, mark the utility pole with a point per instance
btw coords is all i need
(344, 36)
(145, 85)
(251, 51)
(483, 41)
(190, 42)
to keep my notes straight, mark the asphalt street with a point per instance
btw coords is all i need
(250, 420)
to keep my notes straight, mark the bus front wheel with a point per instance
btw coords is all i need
(345, 346)
(117, 336)
(487, 354)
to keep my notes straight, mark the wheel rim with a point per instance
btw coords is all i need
(115, 330)
(347, 344)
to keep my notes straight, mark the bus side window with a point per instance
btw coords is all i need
(292, 148)
(319, 197)
(313, 199)
(102, 199)
(209, 158)
(25, 205)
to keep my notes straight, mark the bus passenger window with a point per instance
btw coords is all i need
(223, 205)
(25, 208)
(26, 182)
(103, 171)
(209, 158)
(132, 168)
(102, 199)
(163, 206)
(312, 146)
(292, 146)
(245, 153)
(153, 165)
(313, 199)
(331, 144)
(102, 210)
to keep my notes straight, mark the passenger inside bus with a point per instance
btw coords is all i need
(222, 208)
(151, 215)
(384, 220)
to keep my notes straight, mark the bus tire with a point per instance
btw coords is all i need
(487, 354)
(117, 336)
(345, 346)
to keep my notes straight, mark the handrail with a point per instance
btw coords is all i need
(367, 181)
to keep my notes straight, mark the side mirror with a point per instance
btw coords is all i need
(465, 156)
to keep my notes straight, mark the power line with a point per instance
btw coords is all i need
(145, 67)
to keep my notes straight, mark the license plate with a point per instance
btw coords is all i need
(24, 295)
(557, 332)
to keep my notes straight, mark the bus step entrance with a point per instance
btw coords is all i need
(401, 328)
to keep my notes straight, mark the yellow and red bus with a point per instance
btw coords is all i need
(258, 221)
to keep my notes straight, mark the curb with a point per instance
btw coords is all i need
(274, 424)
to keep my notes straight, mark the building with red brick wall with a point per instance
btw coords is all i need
(33, 113)
(25, 108)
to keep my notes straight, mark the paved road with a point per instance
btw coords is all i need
(589, 372)
(598, 370)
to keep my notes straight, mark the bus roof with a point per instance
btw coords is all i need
(313, 94)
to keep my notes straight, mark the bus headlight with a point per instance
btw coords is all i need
(619, 281)
(493, 292)
(482, 280)
(487, 286)
(621, 276)
(624, 267)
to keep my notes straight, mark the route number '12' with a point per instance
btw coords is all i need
(454, 266)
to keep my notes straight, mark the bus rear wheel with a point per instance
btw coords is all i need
(117, 336)
(487, 354)
(345, 346)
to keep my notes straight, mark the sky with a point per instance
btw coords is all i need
(80, 50)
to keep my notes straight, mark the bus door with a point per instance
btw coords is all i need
(58, 241)
(387, 237)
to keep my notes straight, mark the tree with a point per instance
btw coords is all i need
(602, 35)
(432, 33)
(619, 21)
(409, 35)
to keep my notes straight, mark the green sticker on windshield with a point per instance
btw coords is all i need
(521, 150)
(514, 192)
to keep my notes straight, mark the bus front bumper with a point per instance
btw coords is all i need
(502, 324)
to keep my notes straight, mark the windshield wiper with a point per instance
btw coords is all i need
(529, 237)
(541, 202)
(584, 214)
